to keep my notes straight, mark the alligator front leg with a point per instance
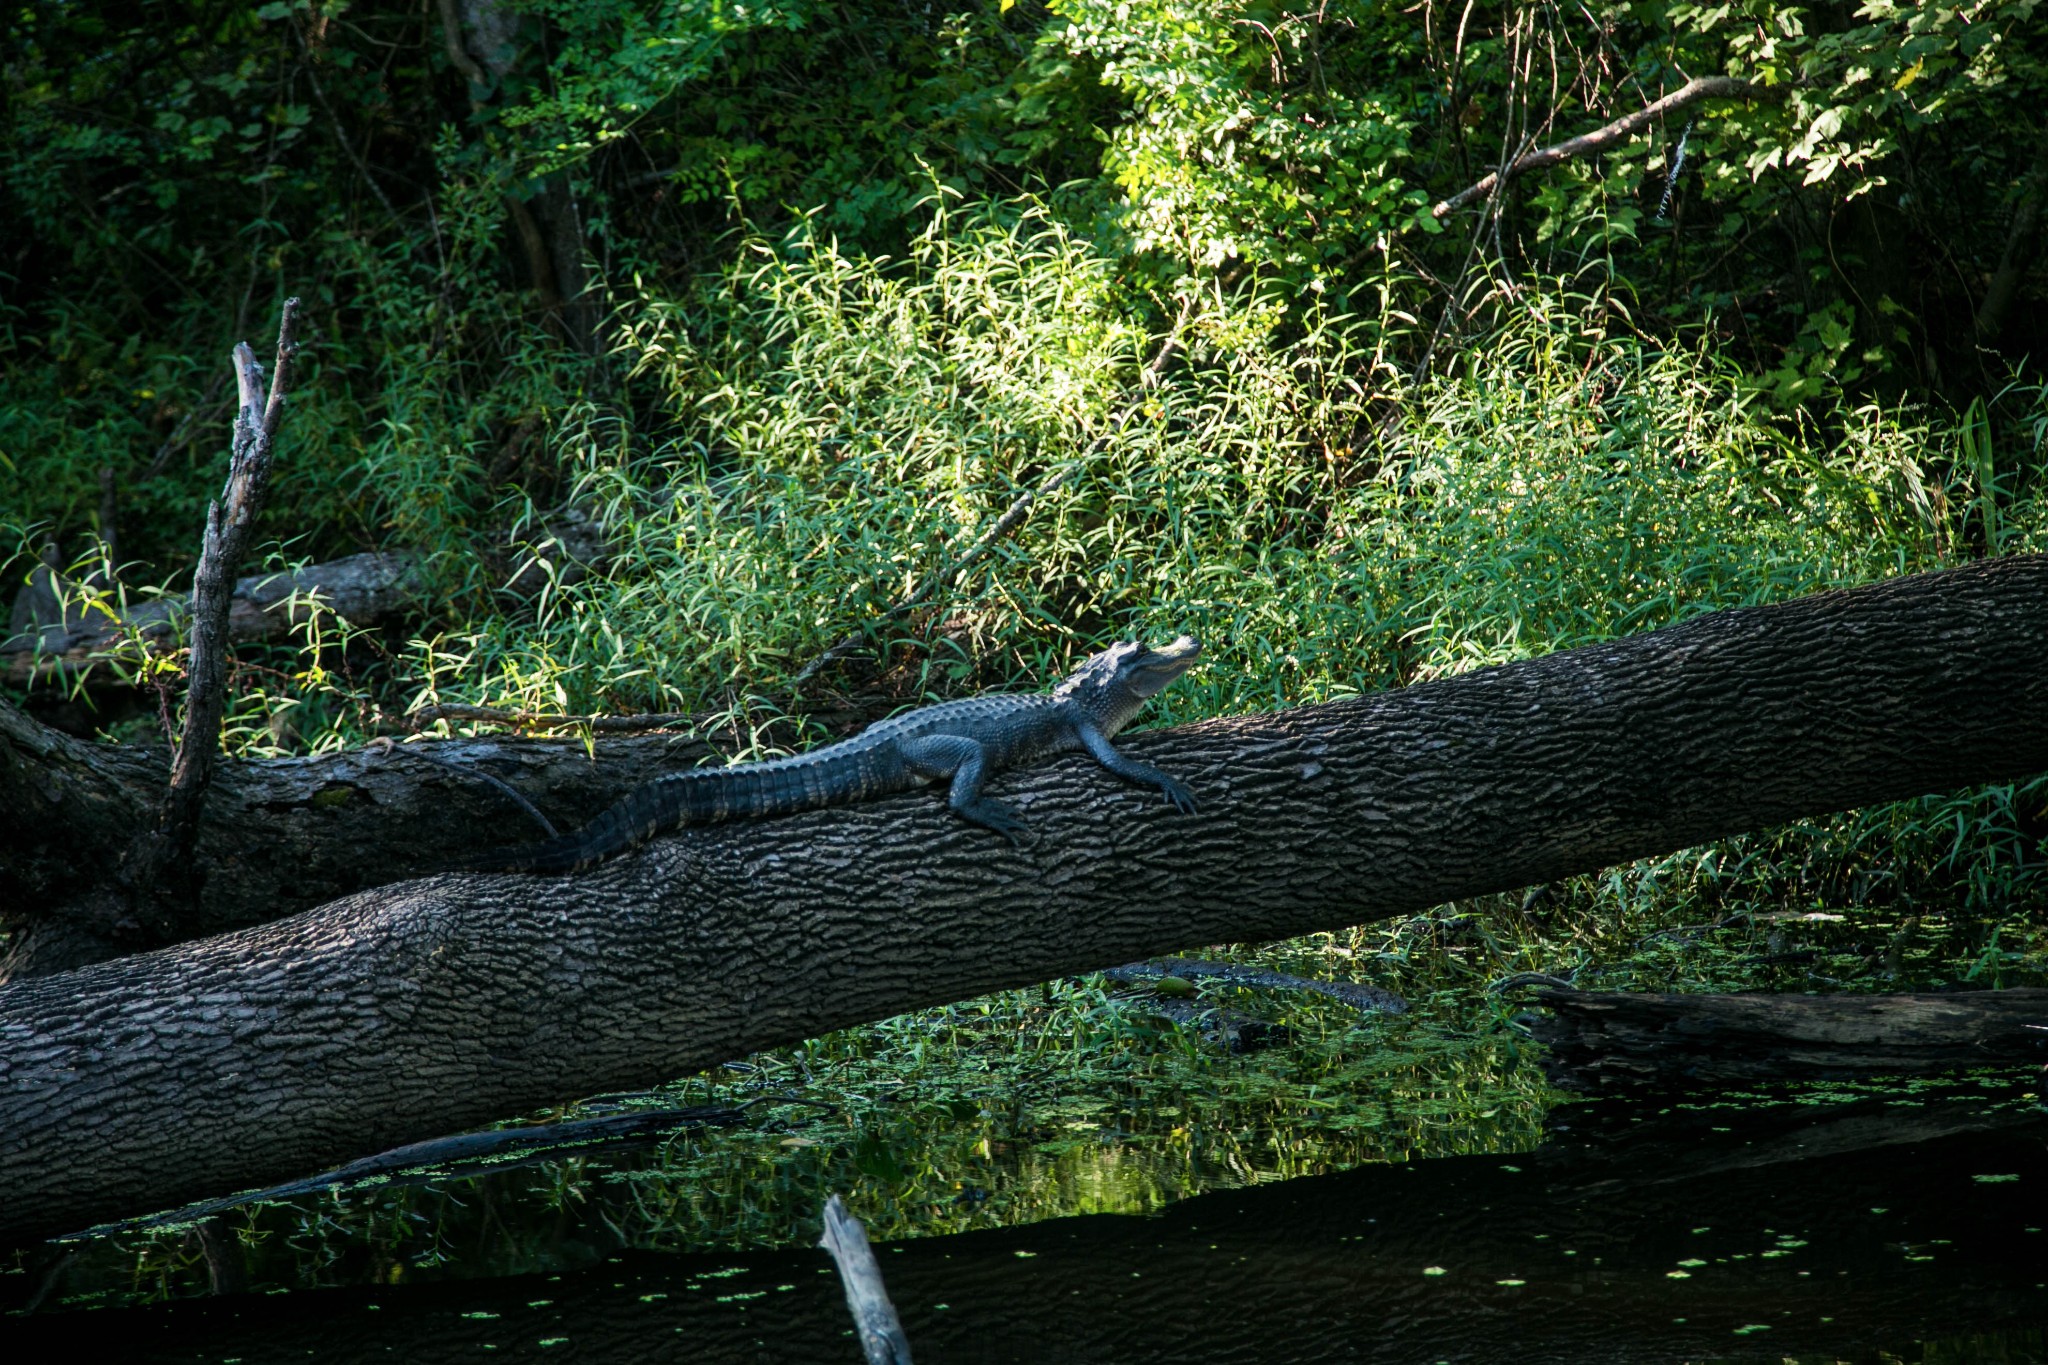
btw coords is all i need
(1130, 770)
(938, 757)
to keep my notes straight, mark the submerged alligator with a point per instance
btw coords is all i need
(961, 741)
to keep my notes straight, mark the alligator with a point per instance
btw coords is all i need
(958, 741)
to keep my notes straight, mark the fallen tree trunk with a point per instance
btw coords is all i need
(64, 637)
(416, 1009)
(1606, 1038)
(61, 634)
(276, 836)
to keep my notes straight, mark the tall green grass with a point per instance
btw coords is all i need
(834, 429)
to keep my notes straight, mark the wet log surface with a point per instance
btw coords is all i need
(1834, 1232)
(1598, 1039)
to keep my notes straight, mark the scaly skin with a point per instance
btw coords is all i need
(959, 742)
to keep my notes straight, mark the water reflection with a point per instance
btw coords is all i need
(1834, 1228)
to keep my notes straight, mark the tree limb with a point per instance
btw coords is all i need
(422, 716)
(408, 1011)
(1600, 139)
(611, 1130)
(867, 1298)
(227, 537)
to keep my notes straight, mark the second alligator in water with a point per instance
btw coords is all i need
(957, 741)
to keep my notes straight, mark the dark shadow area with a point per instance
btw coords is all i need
(1829, 1229)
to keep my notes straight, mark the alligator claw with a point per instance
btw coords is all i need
(1179, 797)
(1000, 818)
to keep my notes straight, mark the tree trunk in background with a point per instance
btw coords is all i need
(2022, 241)
(568, 250)
(434, 1005)
(482, 39)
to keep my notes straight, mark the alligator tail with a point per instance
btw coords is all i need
(683, 798)
(702, 796)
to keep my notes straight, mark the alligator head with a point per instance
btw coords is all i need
(1114, 686)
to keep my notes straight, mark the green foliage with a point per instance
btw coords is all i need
(1853, 90)
(841, 428)
(172, 182)
(872, 273)
(1259, 134)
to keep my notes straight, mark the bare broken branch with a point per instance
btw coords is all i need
(1691, 93)
(874, 1317)
(227, 537)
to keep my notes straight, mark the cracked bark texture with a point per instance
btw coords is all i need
(430, 1006)
(276, 835)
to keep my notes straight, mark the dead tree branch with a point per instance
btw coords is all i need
(1600, 139)
(227, 536)
(867, 1298)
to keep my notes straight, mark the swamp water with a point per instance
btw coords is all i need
(1878, 1222)
(1067, 1174)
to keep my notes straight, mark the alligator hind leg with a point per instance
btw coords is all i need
(964, 761)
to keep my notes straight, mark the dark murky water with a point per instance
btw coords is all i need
(1869, 1231)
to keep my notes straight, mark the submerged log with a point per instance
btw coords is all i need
(417, 1009)
(1606, 1038)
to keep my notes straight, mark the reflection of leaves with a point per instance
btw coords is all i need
(874, 1157)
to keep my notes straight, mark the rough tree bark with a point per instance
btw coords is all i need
(432, 1005)
(277, 835)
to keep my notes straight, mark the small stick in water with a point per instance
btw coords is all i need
(874, 1317)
